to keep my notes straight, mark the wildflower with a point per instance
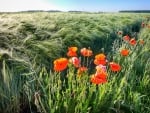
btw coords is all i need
(60, 64)
(81, 70)
(114, 66)
(98, 62)
(141, 41)
(126, 38)
(100, 59)
(143, 24)
(120, 32)
(132, 41)
(86, 52)
(100, 76)
(100, 56)
(72, 51)
(124, 52)
(98, 80)
(101, 67)
(75, 61)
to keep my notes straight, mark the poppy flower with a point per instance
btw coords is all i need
(101, 74)
(100, 56)
(124, 52)
(60, 64)
(72, 51)
(143, 24)
(86, 52)
(75, 61)
(141, 41)
(96, 80)
(126, 38)
(98, 62)
(132, 41)
(100, 59)
(101, 67)
(114, 66)
(120, 32)
(81, 70)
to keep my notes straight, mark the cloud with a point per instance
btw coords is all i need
(22, 5)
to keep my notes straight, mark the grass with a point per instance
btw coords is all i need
(29, 42)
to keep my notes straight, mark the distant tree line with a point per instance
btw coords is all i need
(76, 11)
(30, 11)
(42, 11)
(135, 11)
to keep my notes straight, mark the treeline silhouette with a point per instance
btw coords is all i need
(77, 11)
(135, 11)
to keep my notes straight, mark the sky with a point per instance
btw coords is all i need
(78, 5)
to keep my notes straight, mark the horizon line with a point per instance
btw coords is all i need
(53, 10)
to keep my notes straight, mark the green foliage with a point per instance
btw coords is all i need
(29, 42)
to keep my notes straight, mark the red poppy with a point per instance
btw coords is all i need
(100, 59)
(96, 80)
(72, 51)
(126, 38)
(98, 62)
(60, 64)
(132, 41)
(114, 66)
(100, 56)
(124, 52)
(75, 61)
(81, 70)
(101, 74)
(141, 41)
(86, 52)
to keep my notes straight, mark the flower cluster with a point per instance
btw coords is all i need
(100, 60)
(132, 42)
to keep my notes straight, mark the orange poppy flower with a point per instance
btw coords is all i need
(60, 64)
(100, 59)
(132, 41)
(72, 51)
(100, 56)
(96, 80)
(86, 52)
(141, 41)
(126, 38)
(75, 61)
(98, 62)
(114, 66)
(124, 52)
(101, 74)
(81, 70)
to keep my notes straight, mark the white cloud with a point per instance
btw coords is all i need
(22, 5)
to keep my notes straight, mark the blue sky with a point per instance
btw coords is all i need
(81, 5)
(102, 5)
